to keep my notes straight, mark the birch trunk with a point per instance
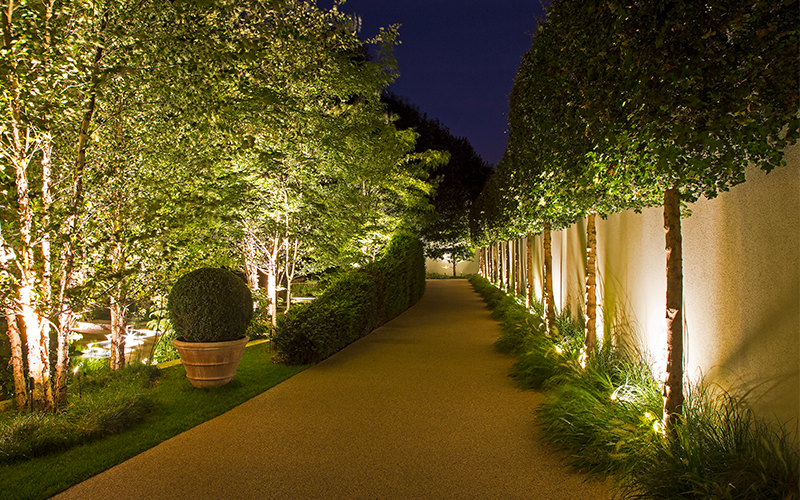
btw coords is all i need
(30, 314)
(591, 286)
(549, 306)
(17, 365)
(14, 336)
(272, 292)
(529, 272)
(291, 266)
(521, 258)
(250, 260)
(673, 384)
(119, 326)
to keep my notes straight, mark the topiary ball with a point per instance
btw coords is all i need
(210, 305)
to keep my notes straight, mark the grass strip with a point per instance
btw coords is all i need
(178, 408)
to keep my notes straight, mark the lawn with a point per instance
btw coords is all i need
(178, 407)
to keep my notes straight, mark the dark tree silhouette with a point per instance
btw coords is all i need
(458, 183)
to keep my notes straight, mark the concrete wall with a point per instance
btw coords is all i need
(741, 264)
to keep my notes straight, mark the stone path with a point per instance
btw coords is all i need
(421, 408)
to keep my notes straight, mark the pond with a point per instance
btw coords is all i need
(95, 343)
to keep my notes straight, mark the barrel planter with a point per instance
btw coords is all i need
(211, 364)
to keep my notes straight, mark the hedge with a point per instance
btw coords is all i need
(354, 304)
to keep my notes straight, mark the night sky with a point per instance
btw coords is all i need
(457, 59)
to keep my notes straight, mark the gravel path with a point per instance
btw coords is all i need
(421, 408)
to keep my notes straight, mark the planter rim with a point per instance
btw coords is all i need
(187, 343)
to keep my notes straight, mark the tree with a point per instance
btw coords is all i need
(549, 132)
(679, 97)
(458, 182)
(49, 90)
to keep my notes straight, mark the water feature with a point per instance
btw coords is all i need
(95, 341)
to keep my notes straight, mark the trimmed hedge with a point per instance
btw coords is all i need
(354, 304)
(210, 305)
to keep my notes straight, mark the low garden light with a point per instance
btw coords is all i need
(78, 373)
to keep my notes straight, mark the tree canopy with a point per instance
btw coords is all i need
(140, 140)
(458, 181)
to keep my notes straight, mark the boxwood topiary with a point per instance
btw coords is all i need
(210, 305)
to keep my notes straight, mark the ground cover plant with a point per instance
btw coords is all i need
(101, 405)
(605, 412)
(173, 407)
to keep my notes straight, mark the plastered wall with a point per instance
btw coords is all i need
(445, 267)
(741, 264)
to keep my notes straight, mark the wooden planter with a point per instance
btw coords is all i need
(211, 364)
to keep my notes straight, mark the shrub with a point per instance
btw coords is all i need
(210, 305)
(353, 304)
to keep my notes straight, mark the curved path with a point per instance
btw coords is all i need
(421, 408)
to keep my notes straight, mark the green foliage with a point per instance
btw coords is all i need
(108, 403)
(721, 450)
(458, 180)
(402, 270)
(607, 415)
(210, 305)
(261, 325)
(349, 310)
(165, 350)
(354, 304)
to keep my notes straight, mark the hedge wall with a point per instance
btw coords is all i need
(354, 304)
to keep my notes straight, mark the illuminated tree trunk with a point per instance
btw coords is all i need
(512, 268)
(673, 385)
(509, 253)
(529, 271)
(549, 306)
(520, 267)
(495, 264)
(17, 366)
(119, 326)
(119, 304)
(250, 260)
(38, 348)
(30, 314)
(591, 285)
(291, 265)
(507, 274)
(272, 278)
(272, 291)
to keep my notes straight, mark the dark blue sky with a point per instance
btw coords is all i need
(457, 59)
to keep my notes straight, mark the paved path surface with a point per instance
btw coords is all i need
(421, 408)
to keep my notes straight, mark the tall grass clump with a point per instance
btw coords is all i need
(540, 355)
(720, 450)
(517, 322)
(604, 414)
(605, 411)
(106, 403)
